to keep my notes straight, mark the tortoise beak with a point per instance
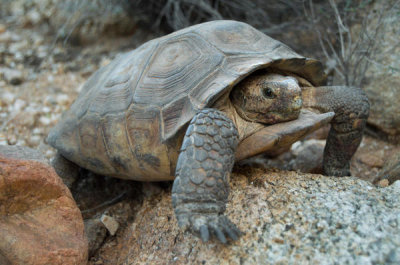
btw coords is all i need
(282, 134)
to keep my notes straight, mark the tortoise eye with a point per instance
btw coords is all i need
(267, 92)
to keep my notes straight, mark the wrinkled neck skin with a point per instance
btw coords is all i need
(245, 128)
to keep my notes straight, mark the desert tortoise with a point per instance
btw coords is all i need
(187, 105)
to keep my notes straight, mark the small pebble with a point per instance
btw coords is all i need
(50, 100)
(383, 183)
(50, 154)
(7, 98)
(33, 17)
(62, 99)
(46, 109)
(18, 105)
(34, 140)
(27, 118)
(37, 131)
(44, 120)
(110, 223)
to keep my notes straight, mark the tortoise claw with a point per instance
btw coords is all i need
(220, 235)
(204, 233)
(216, 225)
(232, 233)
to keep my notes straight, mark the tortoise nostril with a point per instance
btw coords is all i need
(297, 103)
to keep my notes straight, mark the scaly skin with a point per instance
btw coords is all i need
(201, 187)
(351, 109)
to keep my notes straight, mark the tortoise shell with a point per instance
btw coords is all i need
(125, 121)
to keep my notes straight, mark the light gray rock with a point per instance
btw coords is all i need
(110, 223)
(383, 83)
(304, 156)
(288, 218)
(23, 153)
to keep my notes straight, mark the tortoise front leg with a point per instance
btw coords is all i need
(351, 109)
(201, 186)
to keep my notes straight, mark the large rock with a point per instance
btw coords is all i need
(288, 218)
(384, 79)
(39, 220)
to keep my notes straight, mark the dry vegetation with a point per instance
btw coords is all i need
(352, 42)
(347, 32)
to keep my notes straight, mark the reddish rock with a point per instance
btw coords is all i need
(372, 159)
(39, 220)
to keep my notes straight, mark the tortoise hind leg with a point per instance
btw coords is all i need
(351, 109)
(201, 187)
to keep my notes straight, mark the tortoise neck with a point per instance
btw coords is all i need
(244, 127)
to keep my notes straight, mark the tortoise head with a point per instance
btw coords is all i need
(267, 98)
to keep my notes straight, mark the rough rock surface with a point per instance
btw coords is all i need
(39, 220)
(384, 82)
(287, 218)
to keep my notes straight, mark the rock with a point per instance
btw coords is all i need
(33, 17)
(308, 156)
(8, 98)
(304, 156)
(390, 170)
(287, 218)
(63, 100)
(110, 223)
(96, 233)
(384, 81)
(372, 160)
(39, 220)
(44, 120)
(113, 218)
(22, 152)
(18, 105)
(12, 76)
(383, 183)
